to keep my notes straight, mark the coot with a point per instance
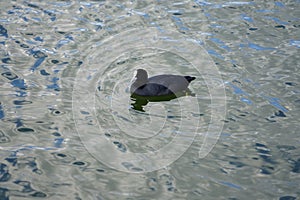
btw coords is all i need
(160, 85)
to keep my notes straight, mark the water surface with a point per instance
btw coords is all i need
(49, 50)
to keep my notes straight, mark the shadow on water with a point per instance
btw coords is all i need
(138, 102)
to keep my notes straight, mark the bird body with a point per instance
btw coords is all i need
(160, 85)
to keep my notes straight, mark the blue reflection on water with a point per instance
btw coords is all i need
(276, 103)
(54, 84)
(216, 54)
(279, 4)
(58, 142)
(237, 90)
(18, 122)
(37, 63)
(231, 185)
(3, 31)
(256, 47)
(272, 100)
(179, 23)
(220, 43)
(248, 101)
(247, 18)
(264, 11)
(19, 83)
(277, 20)
(295, 43)
(1, 111)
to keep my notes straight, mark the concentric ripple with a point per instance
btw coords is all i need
(133, 141)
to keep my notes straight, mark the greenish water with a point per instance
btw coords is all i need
(67, 127)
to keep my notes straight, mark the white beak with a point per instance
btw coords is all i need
(134, 77)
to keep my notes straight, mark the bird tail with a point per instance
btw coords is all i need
(190, 78)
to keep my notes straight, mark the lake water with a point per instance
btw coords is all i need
(68, 129)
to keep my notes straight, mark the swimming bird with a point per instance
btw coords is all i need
(160, 85)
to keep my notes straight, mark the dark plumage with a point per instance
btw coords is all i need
(159, 85)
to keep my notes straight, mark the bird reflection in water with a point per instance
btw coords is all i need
(138, 102)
